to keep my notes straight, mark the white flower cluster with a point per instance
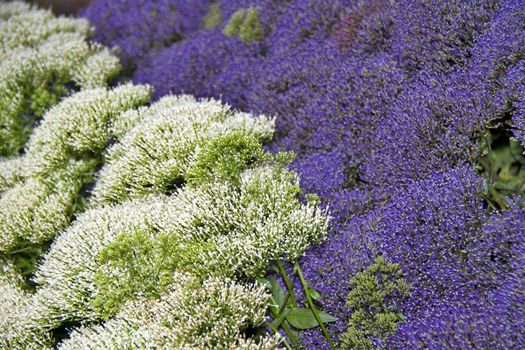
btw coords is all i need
(159, 149)
(190, 315)
(38, 190)
(15, 328)
(215, 233)
(39, 55)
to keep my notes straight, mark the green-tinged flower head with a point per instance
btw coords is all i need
(39, 191)
(41, 58)
(192, 314)
(16, 331)
(373, 299)
(245, 24)
(162, 148)
(224, 158)
(129, 250)
(36, 209)
(222, 225)
(12, 171)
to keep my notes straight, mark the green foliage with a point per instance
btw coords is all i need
(284, 310)
(503, 165)
(303, 318)
(225, 158)
(373, 301)
(46, 95)
(141, 264)
(245, 24)
(213, 17)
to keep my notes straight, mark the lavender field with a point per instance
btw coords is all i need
(263, 174)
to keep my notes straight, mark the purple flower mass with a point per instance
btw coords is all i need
(389, 106)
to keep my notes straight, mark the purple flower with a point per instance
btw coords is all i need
(137, 27)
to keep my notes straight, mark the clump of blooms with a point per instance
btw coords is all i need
(137, 27)
(209, 314)
(41, 189)
(42, 58)
(15, 303)
(374, 296)
(245, 24)
(163, 147)
(216, 227)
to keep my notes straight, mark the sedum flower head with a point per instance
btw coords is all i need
(115, 253)
(157, 154)
(192, 314)
(15, 326)
(42, 187)
(41, 55)
(215, 226)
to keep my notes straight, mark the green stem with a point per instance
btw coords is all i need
(290, 334)
(284, 326)
(287, 282)
(276, 331)
(312, 306)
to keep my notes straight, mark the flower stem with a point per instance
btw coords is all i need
(276, 331)
(312, 306)
(288, 284)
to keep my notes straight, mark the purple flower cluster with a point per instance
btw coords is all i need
(137, 27)
(388, 105)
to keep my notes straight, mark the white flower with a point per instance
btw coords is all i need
(41, 51)
(190, 315)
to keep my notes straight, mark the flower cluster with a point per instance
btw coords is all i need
(193, 314)
(403, 116)
(140, 26)
(187, 211)
(42, 188)
(43, 57)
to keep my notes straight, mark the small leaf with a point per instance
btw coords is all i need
(302, 318)
(314, 294)
(277, 292)
(265, 282)
(295, 267)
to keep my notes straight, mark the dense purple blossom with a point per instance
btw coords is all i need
(388, 105)
(137, 27)
(197, 66)
(478, 319)
(435, 124)
(438, 34)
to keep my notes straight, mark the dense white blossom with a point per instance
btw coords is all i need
(41, 187)
(122, 265)
(159, 149)
(39, 55)
(81, 123)
(190, 315)
(16, 331)
(216, 230)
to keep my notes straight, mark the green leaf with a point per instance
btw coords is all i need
(295, 267)
(265, 282)
(277, 322)
(314, 294)
(302, 318)
(277, 292)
